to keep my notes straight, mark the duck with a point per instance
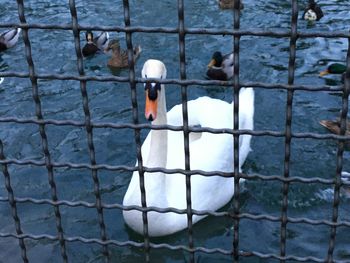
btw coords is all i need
(220, 67)
(334, 126)
(165, 148)
(9, 38)
(229, 4)
(335, 68)
(119, 57)
(312, 12)
(96, 44)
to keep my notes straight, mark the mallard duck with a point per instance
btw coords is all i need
(9, 38)
(335, 68)
(334, 126)
(220, 67)
(313, 11)
(96, 44)
(229, 4)
(165, 148)
(119, 57)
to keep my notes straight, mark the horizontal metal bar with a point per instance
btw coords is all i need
(298, 135)
(187, 82)
(249, 216)
(164, 246)
(193, 31)
(171, 171)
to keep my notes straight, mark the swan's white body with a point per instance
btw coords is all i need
(208, 152)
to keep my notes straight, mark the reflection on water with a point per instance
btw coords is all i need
(262, 59)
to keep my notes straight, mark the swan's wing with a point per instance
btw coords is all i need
(204, 111)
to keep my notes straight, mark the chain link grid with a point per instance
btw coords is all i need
(293, 35)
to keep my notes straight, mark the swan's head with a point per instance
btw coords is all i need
(153, 69)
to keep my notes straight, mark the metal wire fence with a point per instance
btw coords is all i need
(181, 30)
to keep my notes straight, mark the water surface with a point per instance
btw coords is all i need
(262, 59)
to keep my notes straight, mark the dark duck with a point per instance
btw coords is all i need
(335, 68)
(96, 44)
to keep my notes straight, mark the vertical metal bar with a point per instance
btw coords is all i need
(236, 88)
(340, 158)
(140, 169)
(45, 145)
(88, 127)
(12, 202)
(288, 127)
(182, 55)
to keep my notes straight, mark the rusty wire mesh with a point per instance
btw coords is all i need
(293, 35)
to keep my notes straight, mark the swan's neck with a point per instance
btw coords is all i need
(157, 156)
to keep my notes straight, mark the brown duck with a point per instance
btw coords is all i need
(119, 57)
(334, 126)
(229, 4)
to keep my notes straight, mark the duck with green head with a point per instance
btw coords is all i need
(95, 44)
(334, 68)
(220, 66)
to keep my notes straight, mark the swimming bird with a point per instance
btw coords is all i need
(165, 148)
(9, 38)
(119, 57)
(229, 4)
(334, 126)
(334, 68)
(220, 67)
(96, 44)
(313, 11)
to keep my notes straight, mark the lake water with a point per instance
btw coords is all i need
(262, 59)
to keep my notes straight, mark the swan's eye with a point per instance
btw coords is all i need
(147, 85)
(157, 86)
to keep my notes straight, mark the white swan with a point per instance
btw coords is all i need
(208, 152)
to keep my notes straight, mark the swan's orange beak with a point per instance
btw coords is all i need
(325, 72)
(151, 108)
(211, 63)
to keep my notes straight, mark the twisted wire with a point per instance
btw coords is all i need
(182, 56)
(292, 34)
(288, 126)
(44, 139)
(340, 158)
(236, 87)
(88, 128)
(13, 204)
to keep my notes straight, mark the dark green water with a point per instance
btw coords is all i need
(261, 59)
